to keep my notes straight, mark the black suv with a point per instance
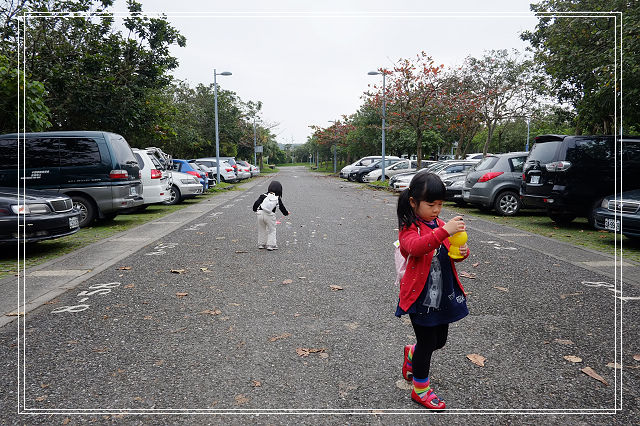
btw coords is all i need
(570, 175)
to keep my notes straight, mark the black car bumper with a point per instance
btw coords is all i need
(624, 223)
(38, 227)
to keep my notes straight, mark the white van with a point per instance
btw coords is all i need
(363, 162)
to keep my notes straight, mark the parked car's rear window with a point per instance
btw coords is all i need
(9, 153)
(486, 163)
(79, 152)
(544, 152)
(121, 149)
(140, 160)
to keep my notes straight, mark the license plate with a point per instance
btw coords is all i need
(73, 222)
(612, 225)
(132, 190)
(535, 179)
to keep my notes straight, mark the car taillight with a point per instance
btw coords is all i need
(119, 174)
(229, 170)
(558, 166)
(524, 177)
(156, 174)
(489, 176)
(235, 166)
(193, 173)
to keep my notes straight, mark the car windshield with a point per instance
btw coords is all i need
(544, 152)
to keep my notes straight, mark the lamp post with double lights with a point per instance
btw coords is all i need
(526, 147)
(384, 113)
(215, 97)
(254, 142)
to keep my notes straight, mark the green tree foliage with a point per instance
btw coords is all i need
(96, 77)
(14, 88)
(578, 52)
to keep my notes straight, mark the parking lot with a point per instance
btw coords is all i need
(200, 321)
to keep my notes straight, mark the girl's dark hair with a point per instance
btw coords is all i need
(424, 186)
(275, 187)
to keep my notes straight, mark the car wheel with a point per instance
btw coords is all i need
(561, 218)
(87, 209)
(349, 178)
(175, 196)
(460, 203)
(379, 178)
(507, 203)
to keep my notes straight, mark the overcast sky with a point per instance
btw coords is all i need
(307, 61)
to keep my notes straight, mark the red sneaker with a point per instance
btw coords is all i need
(407, 369)
(430, 400)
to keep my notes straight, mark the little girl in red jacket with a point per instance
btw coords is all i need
(430, 291)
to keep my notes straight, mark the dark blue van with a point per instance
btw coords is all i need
(96, 169)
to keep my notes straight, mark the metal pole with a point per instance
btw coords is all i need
(526, 148)
(255, 161)
(215, 96)
(384, 113)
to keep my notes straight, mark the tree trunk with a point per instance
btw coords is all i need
(490, 128)
(419, 146)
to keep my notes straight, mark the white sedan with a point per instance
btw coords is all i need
(399, 167)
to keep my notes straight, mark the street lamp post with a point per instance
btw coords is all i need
(335, 135)
(384, 113)
(215, 97)
(255, 161)
(526, 148)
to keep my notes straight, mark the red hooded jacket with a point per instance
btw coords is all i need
(420, 249)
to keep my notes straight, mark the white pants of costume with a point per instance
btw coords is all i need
(266, 228)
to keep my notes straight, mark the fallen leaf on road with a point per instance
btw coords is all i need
(468, 275)
(564, 296)
(637, 357)
(563, 341)
(181, 295)
(158, 363)
(41, 398)
(124, 268)
(282, 336)
(477, 359)
(324, 355)
(234, 241)
(287, 281)
(66, 421)
(302, 278)
(15, 314)
(614, 365)
(241, 251)
(129, 286)
(335, 287)
(241, 399)
(304, 352)
(403, 384)
(591, 373)
(100, 350)
(573, 358)
(501, 288)
(256, 384)
(220, 238)
(475, 265)
(177, 271)
(44, 385)
(205, 269)
(210, 312)
(147, 317)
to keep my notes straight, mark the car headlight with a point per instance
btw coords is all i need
(457, 184)
(30, 209)
(605, 203)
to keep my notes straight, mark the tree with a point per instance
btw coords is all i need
(35, 112)
(506, 85)
(579, 55)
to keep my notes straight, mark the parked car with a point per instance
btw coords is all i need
(163, 158)
(359, 173)
(184, 166)
(227, 172)
(96, 169)
(495, 183)
(475, 156)
(211, 175)
(243, 169)
(183, 186)
(450, 167)
(240, 172)
(363, 162)
(251, 168)
(570, 175)
(620, 213)
(155, 182)
(453, 184)
(45, 215)
(401, 166)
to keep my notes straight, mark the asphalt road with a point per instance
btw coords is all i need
(307, 335)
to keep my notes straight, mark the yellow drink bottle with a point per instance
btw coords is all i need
(458, 239)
